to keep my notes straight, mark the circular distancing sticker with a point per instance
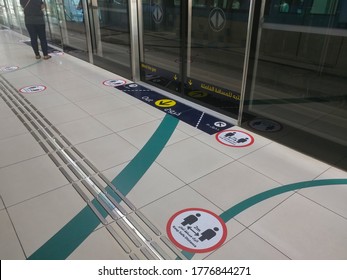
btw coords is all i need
(197, 94)
(32, 89)
(8, 68)
(133, 85)
(151, 76)
(165, 103)
(196, 230)
(265, 125)
(56, 53)
(234, 138)
(114, 83)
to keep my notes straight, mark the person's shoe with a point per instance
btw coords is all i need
(38, 56)
(47, 57)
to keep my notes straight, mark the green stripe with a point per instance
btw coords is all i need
(133, 172)
(249, 202)
(67, 239)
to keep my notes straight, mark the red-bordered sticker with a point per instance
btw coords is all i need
(114, 83)
(8, 68)
(235, 138)
(196, 230)
(33, 89)
(57, 53)
(265, 125)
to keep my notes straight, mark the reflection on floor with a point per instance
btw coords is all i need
(87, 171)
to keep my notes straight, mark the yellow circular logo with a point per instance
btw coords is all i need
(165, 103)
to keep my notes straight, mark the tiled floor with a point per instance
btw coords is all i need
(45, 206)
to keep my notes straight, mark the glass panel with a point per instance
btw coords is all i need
(53, 18)
(16, 15)
(161, 52)
(301, 78)
(3, 14)
(111, 36)
(69, 13)
(218, 41)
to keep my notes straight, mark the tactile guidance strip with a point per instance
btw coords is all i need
(132, 231)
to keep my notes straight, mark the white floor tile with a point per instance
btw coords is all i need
(155, 183)
(108, 151)
(100, 245)
(47, 99)
(29, 179)
(232, 184)
(83, 130)
(64, 113)
(37, 220)
(139, 135)
(10, 248)
(247, 246)
(102, 105)
(124, 118)
(190, 159)
(283, 164)
(83, 93)
(333, 197)
(302, 229)
(11, 126)
(5, 111)
(18, 148)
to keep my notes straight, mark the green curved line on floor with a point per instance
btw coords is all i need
(249, 202)
(68, 238)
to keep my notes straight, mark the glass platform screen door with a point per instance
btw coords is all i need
(196, 49)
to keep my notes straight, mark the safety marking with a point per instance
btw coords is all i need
(251, 201)
(158, 14)
(197, 94)
(217, 19)
(33, 89)
(265, 125)
(165, 103)
(198, 123)
(196, 230)
(185, 113)
(220, 124)
(8, 68)
(114, 83)
(235, 138)
(56, 53)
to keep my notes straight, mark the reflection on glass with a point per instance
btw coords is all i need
(111, 35)
(16, 15)
(218, 42)
(208, 59)
(3, 14)
(161, 50)
(301, 78)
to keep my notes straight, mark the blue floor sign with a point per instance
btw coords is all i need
(189, 115)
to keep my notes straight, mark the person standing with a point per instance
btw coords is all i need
(35, 24)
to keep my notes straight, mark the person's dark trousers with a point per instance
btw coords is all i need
(38, 31)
